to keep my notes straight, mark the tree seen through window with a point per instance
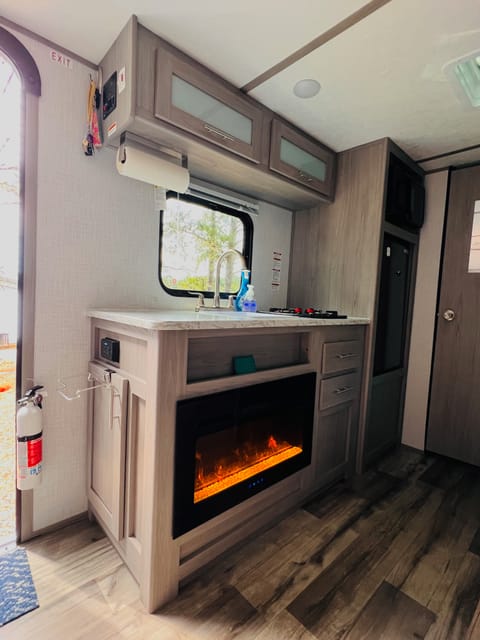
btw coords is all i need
(193, 236)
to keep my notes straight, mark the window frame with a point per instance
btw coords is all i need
(23, 62)
(229, 210)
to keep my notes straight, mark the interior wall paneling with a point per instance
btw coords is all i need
(335, 247)
(335, 250)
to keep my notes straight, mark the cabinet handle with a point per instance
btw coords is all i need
(218, 132)
(341, 390)
(343, 356)
(304, 176)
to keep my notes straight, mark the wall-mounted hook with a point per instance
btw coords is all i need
(65, 391)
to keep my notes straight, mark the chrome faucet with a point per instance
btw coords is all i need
(216, 296)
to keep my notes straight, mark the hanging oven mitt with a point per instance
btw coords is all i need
(92, 140)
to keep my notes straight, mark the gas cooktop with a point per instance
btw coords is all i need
(309, 312)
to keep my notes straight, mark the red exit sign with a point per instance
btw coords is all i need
(61, 58)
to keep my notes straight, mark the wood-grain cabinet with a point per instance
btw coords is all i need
(228, 137)
(108, 429)
(301, 158)
(198, 102)
(115, 451)
(338, 406)
(342, 255)
(132, 431)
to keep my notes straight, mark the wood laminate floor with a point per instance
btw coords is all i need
(396, 559)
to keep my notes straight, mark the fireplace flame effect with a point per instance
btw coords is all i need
(228, 473)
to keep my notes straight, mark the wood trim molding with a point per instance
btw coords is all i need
(450, 167)
(48, 43)
(22, 61)
(449, 153)
(51, 528)
(26, 281)
(316, 43)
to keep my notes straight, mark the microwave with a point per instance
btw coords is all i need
(405, 196)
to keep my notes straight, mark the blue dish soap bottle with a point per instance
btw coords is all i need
(249, 302)
(244, 280)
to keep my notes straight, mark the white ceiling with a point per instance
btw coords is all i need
(385, 76)
(382, 77)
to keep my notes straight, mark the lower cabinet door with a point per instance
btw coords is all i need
(106, 447)
(383, 429)
(335, 447)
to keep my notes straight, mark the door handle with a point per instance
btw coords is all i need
(449, 315)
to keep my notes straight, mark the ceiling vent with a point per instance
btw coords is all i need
(465, 76)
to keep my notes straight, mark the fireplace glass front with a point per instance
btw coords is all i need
(231, 445)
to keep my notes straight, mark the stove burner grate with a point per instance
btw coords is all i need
(309, 312)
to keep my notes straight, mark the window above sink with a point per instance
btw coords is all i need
(194, 233)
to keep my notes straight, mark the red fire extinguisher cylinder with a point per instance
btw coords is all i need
(29, 439)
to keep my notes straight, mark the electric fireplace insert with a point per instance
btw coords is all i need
(233, 444)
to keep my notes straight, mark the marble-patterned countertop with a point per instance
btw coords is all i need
(191, 320)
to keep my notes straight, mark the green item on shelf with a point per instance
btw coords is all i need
(244, 364)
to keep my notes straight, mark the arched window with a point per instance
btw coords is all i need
(14, 52)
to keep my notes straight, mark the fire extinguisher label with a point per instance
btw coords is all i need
(29, 457)
(34, 453)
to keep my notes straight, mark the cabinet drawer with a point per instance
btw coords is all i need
(342, 356)
(338, 390)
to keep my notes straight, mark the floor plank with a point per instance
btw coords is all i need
(397, 558)
(475, 544)
(445, 473)
(284, 627)
(354, 577)
(406, 618)
(405, 463)
(457, 614)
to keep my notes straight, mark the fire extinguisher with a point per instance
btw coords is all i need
(29, 439)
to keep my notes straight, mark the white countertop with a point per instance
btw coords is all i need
(191, 320)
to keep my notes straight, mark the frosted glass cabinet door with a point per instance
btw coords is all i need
(302, 159)
(200, 102)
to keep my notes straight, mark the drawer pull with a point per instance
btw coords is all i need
(218, 132)
(304, 176)
(341, 390)
(343, 356)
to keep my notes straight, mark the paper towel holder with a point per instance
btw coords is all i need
(130, 139)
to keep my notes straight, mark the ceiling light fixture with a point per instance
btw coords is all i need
(307, 88)
(465, 72)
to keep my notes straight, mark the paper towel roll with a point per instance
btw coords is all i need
(147, 167)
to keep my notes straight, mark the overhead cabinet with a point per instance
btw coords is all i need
(301, 158)
(202, 104)
(155, 91)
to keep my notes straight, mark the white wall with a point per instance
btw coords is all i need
(423, 321)
(272, 232)
(97, 246)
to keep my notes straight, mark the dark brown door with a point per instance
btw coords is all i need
(454, 421)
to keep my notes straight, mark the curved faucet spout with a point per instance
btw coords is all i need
(216, 296)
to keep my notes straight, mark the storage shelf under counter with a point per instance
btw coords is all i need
(169, 356)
